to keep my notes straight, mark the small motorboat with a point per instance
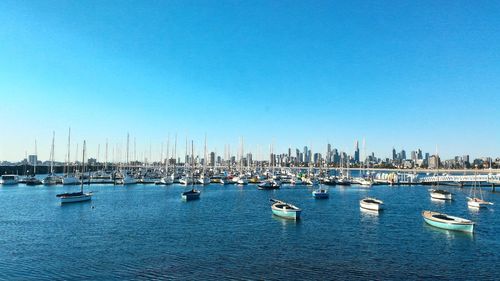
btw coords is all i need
(321, 193)
(192, 194)
(372, 204)
(285, 210)
(9, 180)
(448, 222)
(440, 194)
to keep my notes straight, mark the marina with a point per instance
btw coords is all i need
(249, 140)
(151, 221)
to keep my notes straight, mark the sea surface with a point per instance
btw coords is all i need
(145, 232)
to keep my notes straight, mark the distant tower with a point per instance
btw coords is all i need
(356, 152)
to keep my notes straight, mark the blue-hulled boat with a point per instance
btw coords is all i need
(285, 210)
(448, 222)
(321, 193)
(192, 194)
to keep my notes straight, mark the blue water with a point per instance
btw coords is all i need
(146, 232)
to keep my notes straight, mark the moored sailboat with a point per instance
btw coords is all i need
(77, 196)
(192, 194)
(475, 201)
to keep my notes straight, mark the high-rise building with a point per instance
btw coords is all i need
(356, 152)
(212, 159)
(306, 156)
(328, 153)
(335, 156)
(32, 159)
(419, 154)
(394, 155)
(414, 155)
(433, 162)
(403, 155)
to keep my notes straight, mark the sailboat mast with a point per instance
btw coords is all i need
(83, 166)
(69, 152)
(168, 156)
(36, 160)
(175, 156)
(192, 163)
(205, 155)
(52, 153)
(106, 156)
(128, 142)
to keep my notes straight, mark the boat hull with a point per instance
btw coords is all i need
(189, 196)
(477, 204)
(454, 227)
(441, 196)
(78, 198)
(71, 181)
(320, 195)
(447, 222)
(292, 215)
(370, 206)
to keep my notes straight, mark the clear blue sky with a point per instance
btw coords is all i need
(408, 74)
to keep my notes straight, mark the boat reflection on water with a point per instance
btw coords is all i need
(368, 214)
(286, 222)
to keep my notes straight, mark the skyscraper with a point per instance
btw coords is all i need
(328, 153)
(356, 152)
(306, 158)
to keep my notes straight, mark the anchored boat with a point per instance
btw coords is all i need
(321, 193)
(440, 194)
(448, 222)
(475, 201)
(285, 210)
(192, 194)
(269, 184)
(77, 196)
(372, 204)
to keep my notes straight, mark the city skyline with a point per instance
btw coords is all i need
(404, 75)
(155, 152)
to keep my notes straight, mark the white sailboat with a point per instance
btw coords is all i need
(204, 179)
(475, 201)
(52, 179)
(242, 178)
(167, 179)
(128, 178)
(77, 196)
(69, 178)
(436, 193)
